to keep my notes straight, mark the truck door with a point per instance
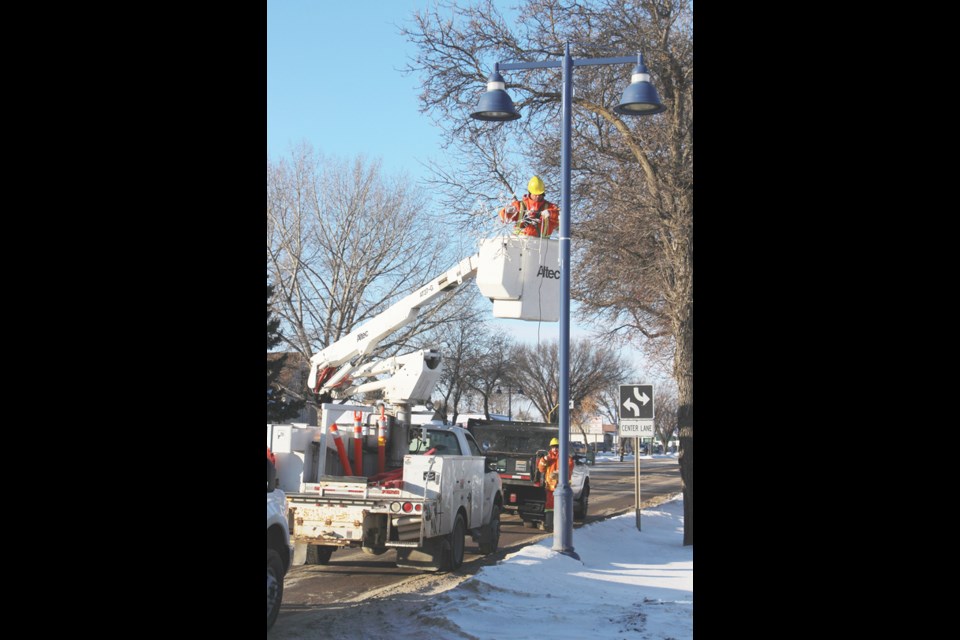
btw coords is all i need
(478, 474)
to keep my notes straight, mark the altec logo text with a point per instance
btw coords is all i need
(546, 272)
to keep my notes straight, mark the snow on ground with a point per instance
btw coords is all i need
(627, 584)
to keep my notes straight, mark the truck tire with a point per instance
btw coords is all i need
(274, 586)
(580, 506)
(529, 524)
(489, 545)
(319, 554)
(457, 542)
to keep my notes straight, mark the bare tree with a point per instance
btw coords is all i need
(475, 361)
(665, 419)
(460, 348)
(493, 366)
(592, 368)
(583, 413)
(632, 200)
(608, 400)
(344, 242)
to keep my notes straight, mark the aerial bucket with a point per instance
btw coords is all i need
(521, 275)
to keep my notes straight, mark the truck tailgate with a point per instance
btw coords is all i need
(328, 522)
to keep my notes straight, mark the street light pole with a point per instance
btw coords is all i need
(639, 98)
(510, 399)
(563, 495)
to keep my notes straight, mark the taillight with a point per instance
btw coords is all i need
(513, 497)
(407, 507)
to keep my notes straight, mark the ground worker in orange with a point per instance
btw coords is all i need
(534, 216)
(548, 466)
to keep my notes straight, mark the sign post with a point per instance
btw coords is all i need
(636, 419)
(636, 479)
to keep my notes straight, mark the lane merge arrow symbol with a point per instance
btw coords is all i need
(636, 403)
(641, 396)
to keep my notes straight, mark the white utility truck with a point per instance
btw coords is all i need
(419, 490)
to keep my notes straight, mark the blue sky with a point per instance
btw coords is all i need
(333, 80)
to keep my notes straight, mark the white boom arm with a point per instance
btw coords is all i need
(330, 366)
(413, 377)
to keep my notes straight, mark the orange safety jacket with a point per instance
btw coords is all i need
(548, 467)
(543, 226)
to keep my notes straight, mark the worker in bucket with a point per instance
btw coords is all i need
(534, 216)
(548, 466)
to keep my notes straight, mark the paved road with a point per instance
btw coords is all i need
(353, 576)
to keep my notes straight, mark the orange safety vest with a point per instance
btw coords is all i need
(549, 470)
(547, 224)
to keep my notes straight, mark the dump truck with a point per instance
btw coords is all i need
(513, 448)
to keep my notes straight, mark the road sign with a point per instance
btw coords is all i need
(636, 428)
(636, 411)
(636, 402)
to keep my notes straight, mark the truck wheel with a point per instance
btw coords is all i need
(274, 586)
(319, 553)
(529, 524)
(490, 546)
(457, 542)
(580, 508)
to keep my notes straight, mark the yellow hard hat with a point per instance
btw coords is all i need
(554, 442)
(535, 186)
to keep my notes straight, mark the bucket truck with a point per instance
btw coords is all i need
(419, 490)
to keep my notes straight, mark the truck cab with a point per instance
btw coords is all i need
(443, 439)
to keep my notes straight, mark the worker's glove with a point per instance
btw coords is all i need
(511, 209)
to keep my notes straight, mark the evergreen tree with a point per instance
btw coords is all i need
(281, 406)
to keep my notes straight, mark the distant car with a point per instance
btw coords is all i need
(642, 449)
